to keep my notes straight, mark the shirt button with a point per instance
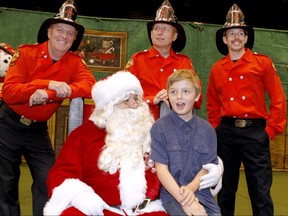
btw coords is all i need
(148, 101)
(230, 79)
(157, 55)
(161, 70)
(243, 97)
(241, 77)
(246, 115)
(231, 99)
(234, 116)
(45, 56)
(174, 69)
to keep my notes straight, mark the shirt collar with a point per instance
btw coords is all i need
(180, 122)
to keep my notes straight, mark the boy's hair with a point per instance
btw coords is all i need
(185, 74)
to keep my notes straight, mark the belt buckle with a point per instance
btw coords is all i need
(240, 123)
(25, 121)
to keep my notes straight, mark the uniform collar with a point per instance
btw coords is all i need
(44, 53)
(154, 53)
(43, 50)
(248, 55)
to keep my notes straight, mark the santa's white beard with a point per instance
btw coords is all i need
(127, 139)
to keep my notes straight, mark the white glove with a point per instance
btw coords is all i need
(89, 203)
(213, 176)
(214, 190)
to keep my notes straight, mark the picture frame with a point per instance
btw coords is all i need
(103, 51)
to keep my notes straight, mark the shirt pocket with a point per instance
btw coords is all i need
(200, 152)
(177, 159)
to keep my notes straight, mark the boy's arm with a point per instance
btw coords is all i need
(169, 183)
(167, 180)
(195, 183)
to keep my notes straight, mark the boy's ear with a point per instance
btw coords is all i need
(197, 97)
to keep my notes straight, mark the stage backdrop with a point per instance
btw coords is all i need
(109, 43)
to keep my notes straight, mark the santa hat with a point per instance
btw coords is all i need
(234, 19)
(67, 14)
(107, 90)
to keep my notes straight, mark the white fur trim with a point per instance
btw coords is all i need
(63, 195)
(132, 184)
(108, 89)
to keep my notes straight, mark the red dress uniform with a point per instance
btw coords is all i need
(78, 160)
(153, 70)
(32, 69)
(238, 90)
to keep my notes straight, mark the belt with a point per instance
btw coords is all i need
(23, 120)
(242, 123)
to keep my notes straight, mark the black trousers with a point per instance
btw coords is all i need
(249, 145)
(33, 142)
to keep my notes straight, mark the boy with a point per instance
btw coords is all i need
(181, 144)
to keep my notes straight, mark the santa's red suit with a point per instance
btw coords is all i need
(76, 171)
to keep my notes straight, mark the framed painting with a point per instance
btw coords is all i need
(104, 51)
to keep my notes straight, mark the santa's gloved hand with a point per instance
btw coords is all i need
(89, 203)
(214, 190)
(213, 176)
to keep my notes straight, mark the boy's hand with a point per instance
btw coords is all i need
(194, 209)
(187, 196)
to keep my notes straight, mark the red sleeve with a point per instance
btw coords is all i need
(69, 162)
(18, 86)
(153, 185)
(277, 119)
(82, 79)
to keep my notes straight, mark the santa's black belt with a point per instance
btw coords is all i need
(242, 123)
(23, 120)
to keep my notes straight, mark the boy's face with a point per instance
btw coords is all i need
(182, 96)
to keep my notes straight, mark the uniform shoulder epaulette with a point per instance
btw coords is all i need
(76, 54)
(27, 45)
(182, 55)
(258, 54)
(140, 52)
(266, 56)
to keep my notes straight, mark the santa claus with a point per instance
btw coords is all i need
(103, 167)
